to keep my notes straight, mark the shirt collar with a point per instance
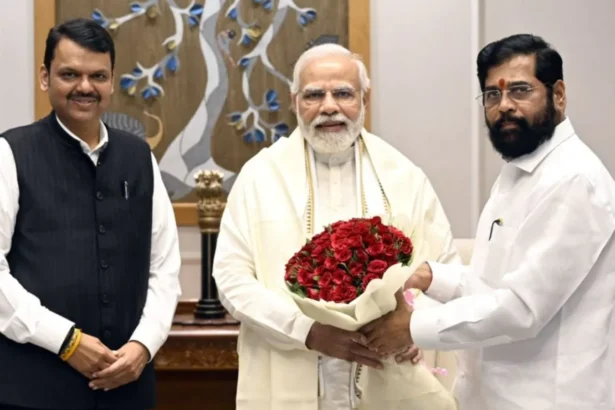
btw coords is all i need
(529, 162)
(102, 143)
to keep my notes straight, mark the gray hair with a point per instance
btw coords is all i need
(325, 50)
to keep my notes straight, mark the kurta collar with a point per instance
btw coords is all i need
(335, 159)
(529, 162)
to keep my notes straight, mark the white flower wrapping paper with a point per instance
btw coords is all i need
(403, 386)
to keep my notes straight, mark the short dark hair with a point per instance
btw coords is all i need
(548, 61)
(86, 33)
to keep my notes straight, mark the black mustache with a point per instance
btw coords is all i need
(508, 117)
(81, 95)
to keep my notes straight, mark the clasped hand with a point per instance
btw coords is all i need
(105, 368)
(381, 338)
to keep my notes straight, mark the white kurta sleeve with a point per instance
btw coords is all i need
(22, 317)
(554, 250)
(279, 321)
(165, 262)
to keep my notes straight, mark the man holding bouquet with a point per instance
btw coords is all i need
(330, 169)
(534, 308)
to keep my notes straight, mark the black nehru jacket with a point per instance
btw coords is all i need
(83, 247)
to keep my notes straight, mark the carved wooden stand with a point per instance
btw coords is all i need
(197, 366)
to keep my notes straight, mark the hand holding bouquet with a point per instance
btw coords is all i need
(347, 276)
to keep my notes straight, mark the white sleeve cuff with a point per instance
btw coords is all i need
(424, 328)
(303, 325)
(150, 337)
(51, 331)
(444, 282)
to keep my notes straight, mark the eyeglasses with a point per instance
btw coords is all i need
(518, 93)
(342, 96)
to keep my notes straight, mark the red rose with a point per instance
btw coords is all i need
(377, 267)
(325, 280)
(368, 278)
(390, 251)
(343, 255)
(305, 277)
(387, 239)
(325, 293)
(338, 241)
(369, 239)
(362, 256)
(375, 249)
(361, 228)
(354, 241)
(406, 246)
(339, 277)
(356, 269)
(344, 293)
(313, 294)
(318, 250)
(376, 220)
(330, 263)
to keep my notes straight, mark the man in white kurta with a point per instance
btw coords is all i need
(282, 354)
(533, 310)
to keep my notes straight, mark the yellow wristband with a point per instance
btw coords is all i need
(74, 342)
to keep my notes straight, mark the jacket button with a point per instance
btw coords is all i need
(102, 229)
(99, 195)
(104, 264)
(105, 299)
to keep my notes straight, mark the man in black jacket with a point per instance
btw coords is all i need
(89, 255)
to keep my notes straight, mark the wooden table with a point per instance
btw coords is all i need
(197, 366)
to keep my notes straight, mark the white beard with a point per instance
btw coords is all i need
(332, 142)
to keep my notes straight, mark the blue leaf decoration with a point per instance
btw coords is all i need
(234, 116)
(268, 5)
(276, 137)
(259, 136)
(136, 7)
(196, 10)
(137, 71)
(232, 14)
(248, 137)
(281, 128)
(274, 106)
(172, 64)
(271, 96)
(302, 20)
(244, 62)
(147, 93)
(158, 73)
(97, 16)
(126, 83)
(245, 40)
(311, 14)
(193, 21)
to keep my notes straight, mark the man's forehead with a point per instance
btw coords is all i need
(71, 55)
(328, 84)
(330, 69)
(518, 68)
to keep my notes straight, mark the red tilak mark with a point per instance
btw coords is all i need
(502, 83)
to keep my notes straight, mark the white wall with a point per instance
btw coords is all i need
(424, 84)
(16, 70)
(421, 88)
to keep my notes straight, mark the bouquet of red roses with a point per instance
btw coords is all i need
(347, 276)
(338, 264)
